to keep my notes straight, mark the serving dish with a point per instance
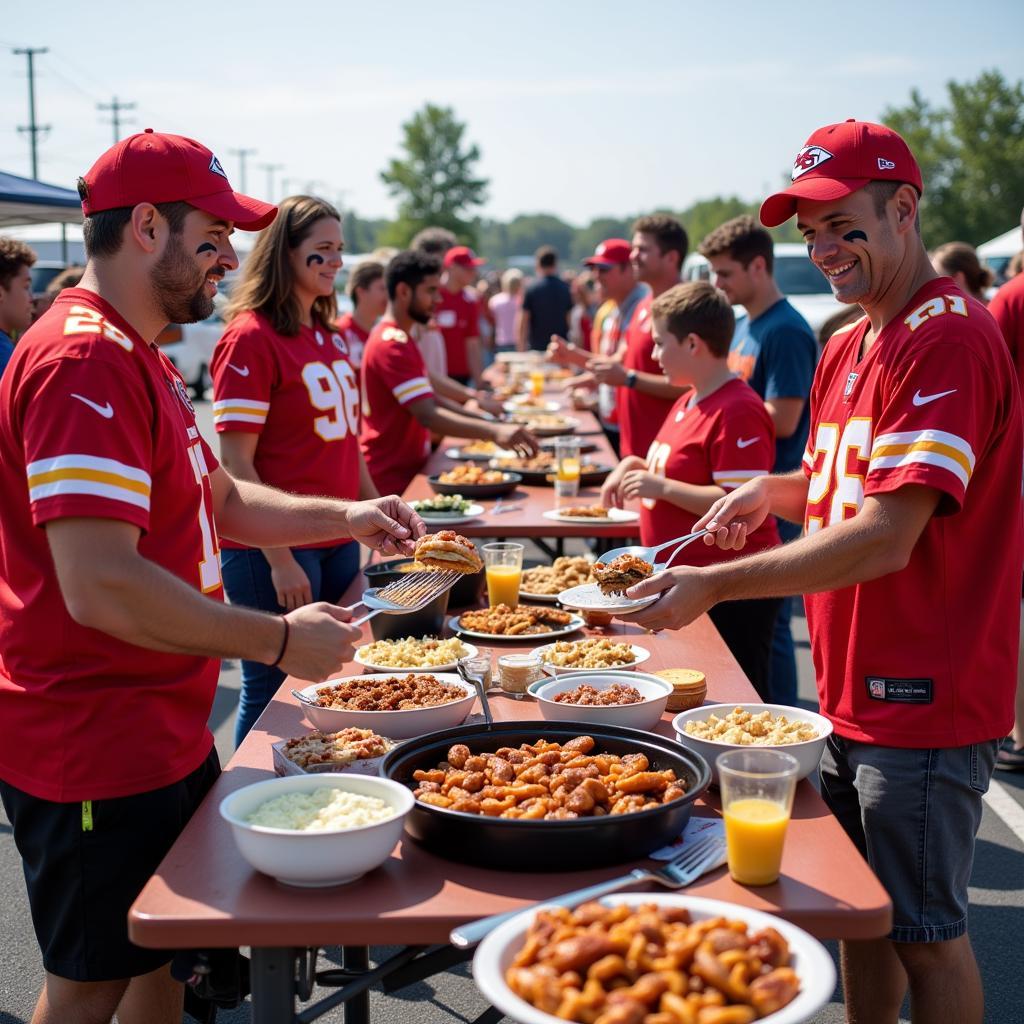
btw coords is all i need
(399, 725)
(808, 752)
(640, 655)
(548, 445)
(448, 666)
(506, 486)
(809, 958)
(591, 474)
(314, 859)
(545, 845)
(587, 597)
(644, 715)
(572, 627)
(615, 515)
(545, 425)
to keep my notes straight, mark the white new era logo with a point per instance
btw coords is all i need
(808, 158)
(216, 167)
(885, 165)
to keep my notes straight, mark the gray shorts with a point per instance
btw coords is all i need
(913, 814)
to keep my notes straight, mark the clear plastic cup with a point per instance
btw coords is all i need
(478, 667)
(503, 566)
(757, 798)
(567, 467)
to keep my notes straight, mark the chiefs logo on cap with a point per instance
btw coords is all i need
(808, 158)
(216, 167)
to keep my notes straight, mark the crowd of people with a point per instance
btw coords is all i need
(866, 475)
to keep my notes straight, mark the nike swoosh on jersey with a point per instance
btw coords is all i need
(741, 443)
(242, 371)
(920, 399)
(106, 411)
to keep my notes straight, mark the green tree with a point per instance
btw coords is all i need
(435, 182)
(529, 231)
(971, 154)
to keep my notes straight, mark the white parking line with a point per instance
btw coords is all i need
(1010, 812)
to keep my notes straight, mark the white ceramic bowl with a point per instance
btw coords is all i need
(807, 753)
(398, 725)
(644, 715)
(810, 959)
(314, 859)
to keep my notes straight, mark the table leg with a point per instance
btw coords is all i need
(273, 985)
(354, 959)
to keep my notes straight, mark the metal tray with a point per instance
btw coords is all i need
(513, 845)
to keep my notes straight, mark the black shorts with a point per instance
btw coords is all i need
(748, 629)
(85, 863)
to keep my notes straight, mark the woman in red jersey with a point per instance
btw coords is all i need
(286, 407)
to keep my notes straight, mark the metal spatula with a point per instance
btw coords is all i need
(411, 593)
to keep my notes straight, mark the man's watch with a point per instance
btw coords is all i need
(631, 378)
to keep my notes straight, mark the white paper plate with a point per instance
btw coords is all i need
(574, 625)
(587, 597)
(567, 426)
(640, 655)
(533, 406)
(448, 666)
(460, 454)
(451, 519)
(615, 515)
(534, 598)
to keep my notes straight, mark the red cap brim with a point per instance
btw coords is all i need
(598, 261)
(246, 213)
(778, 208)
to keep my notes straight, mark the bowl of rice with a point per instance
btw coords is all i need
(317, 830)
(712, 729)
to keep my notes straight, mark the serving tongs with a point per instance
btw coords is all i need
(650, 554)
(410, 594)
(481, 691)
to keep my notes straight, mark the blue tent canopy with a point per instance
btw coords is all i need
(24, 201)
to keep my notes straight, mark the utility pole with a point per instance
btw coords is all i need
(34, 130)
(242, 155)
(115, 106)
(271, 169)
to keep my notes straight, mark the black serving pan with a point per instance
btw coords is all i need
(507, 486)
(547, 444)
(591, 475)
(513, 845)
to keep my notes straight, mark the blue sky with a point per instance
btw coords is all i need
(580, 109)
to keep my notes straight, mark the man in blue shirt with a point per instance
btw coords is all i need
(775, 351)
(15, 294)
(546, 305)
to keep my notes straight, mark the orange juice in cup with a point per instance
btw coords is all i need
(504, 568)
(757, 798)
(536, 383)
(567, 467)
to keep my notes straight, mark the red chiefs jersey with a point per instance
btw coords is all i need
(1007, 307)
(640, 415)
(725, 439)
(925, 656)
(353, 340)
(95, 422)
(395, 446)
(300, 395)
(458, 316)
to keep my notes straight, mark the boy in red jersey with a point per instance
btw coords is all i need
(643, 396)
(399, 406)
(112, 620)
(912, 467)
(458, 315)
(715, 437)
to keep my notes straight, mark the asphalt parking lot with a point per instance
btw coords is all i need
(996, 910)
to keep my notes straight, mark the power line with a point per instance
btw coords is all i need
(33, 129)
(242, 155)
(115, 106)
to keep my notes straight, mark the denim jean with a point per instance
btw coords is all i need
(783, 688)
(247, 582)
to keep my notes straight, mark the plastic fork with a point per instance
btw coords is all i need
(650, 554)
(409, 594)
(701, 856)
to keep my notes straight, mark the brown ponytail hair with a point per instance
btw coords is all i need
(267, 284)
(960, 257)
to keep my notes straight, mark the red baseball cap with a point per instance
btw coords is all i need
(839, 159)
(152, 167)
(611, 252)
(463, 256)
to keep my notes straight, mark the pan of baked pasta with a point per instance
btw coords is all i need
(547, 796)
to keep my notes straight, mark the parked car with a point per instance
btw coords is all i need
(799, 279)
(190, 348)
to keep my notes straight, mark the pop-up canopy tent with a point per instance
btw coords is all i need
(24, 201)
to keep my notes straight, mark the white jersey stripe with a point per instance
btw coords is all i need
(913, 437)
(60, 488)
(927, 458)
(239, 417)
(249, 404)
(89, 462)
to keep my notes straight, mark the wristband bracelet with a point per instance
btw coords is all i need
(631, 378)
(284, 643)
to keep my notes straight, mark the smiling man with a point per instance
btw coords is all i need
(912, 467)
(112, 619)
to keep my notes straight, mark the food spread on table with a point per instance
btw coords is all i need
(321, 810)
(651, 964)
(747, 728)
(522, 620)
(394, 693)
(336, 748)
(413, 652)
(441, 504)
(546, 780)
(586, 695)
(471, 475)
(621, 573)
(448, 550)
(584, 512)
(594, 652)
(479, 448)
